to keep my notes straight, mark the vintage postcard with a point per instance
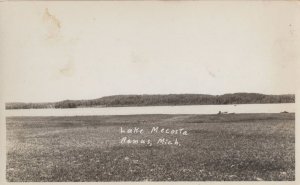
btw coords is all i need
(149, 91)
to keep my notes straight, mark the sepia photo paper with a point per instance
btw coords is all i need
(150, 92)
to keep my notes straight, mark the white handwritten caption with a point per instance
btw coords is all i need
(154, 130)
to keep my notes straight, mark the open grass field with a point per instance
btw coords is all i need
(233, 147)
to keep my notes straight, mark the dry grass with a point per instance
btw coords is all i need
(87, 148)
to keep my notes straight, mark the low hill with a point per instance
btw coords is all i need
(156, 100)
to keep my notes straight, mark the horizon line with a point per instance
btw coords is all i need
(147, 95)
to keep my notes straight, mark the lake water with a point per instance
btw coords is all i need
(185, 109)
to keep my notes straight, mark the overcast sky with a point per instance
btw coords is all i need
(53, 51)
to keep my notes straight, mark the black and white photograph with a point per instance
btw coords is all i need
(149, 91)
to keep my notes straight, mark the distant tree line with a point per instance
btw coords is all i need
(169, 99)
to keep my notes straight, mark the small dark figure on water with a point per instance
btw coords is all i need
(285, 112)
